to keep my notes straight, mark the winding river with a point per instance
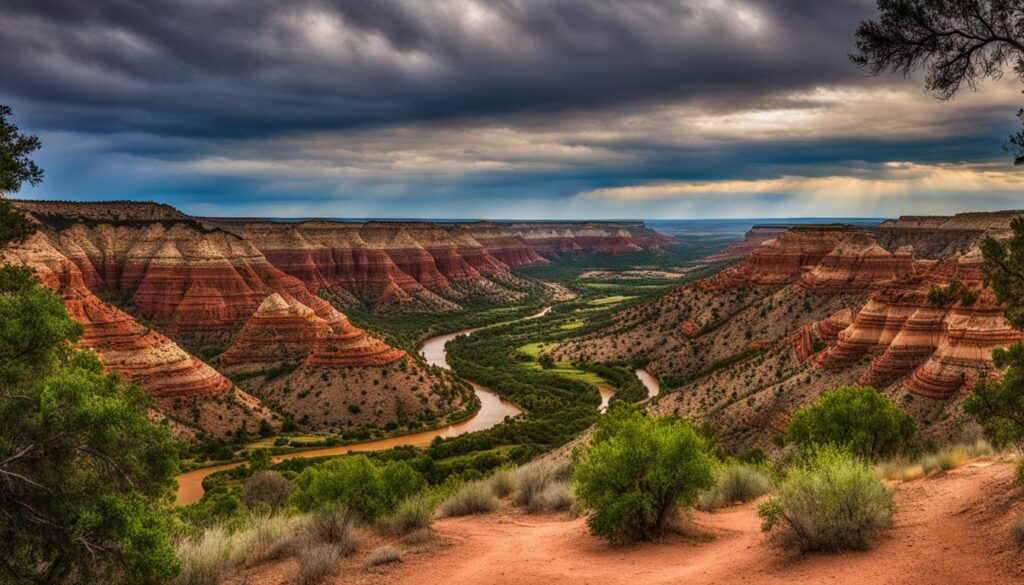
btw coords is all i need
(492, 411)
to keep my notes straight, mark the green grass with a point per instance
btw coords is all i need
(599, 302)
(574, 324)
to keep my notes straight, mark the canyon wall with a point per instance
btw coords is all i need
(143, 278)
(817, 307)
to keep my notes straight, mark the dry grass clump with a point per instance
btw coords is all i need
(474, 497)
(412, 514)
(317, 562)
(418, 537)
(268, 538)
(947, 458)
(384, 555)
(555, 497)
(501, 482)
(531, 482)
(205, 559)
(1017, 531)
(734, 483)
(338, 526)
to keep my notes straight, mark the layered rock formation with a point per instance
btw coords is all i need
(752, 240)
(853, 304)
(180, 384)
(212, 289)
(557, 239)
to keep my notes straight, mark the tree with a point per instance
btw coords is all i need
(638, 472)
(957, 43)
(84, 474)
(998, 405)
(16, 165)
(857, 418)
(266, 489)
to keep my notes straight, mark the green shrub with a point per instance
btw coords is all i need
(734, 483)
(857, 418)
(830, 502)
(638, 472)
(501, 482)
(475, 497)
(369, 489)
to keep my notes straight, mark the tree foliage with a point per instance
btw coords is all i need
(857, 418)
(16, 165)
(958, 43)
(638, 472)
(84, 474)
(1004, 269)
(369, 489)
(998, 405)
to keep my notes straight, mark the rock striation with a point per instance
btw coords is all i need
(180, 383)
(558, 239)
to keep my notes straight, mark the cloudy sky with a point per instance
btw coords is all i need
(492, 108)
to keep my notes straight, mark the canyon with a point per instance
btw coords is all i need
(819, 306)
(259, 302)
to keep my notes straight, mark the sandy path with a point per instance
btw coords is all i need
(948, 529)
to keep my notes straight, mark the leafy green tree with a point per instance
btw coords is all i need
(857, 418)
(84, 474)
(998, 405)
(371, 490)
(958, 43)
(638, 472)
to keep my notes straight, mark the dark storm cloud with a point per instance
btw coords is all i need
(259, 67)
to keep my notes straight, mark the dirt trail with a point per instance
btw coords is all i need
(948, 529)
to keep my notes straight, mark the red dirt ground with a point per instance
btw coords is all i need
(950, 528)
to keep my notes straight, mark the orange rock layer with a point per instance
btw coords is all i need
(283, 329)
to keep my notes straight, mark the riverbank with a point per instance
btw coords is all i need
(493, 410)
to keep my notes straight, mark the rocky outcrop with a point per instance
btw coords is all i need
(392, 266)
(752, 240)
(180, 383)
(557, 239)
(783, 260)
(944, 349)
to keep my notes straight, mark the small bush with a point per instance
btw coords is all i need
(1017, 531)
(317, 562)
(205, 559)
(501, 482)
(858, 418)
(337, 526)
(383, 556)
(832, 501)
(638, 472)
(556, 497)
(471, 498)
(412, 514)
(532, 479)
(267, 538)
(734, 483)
